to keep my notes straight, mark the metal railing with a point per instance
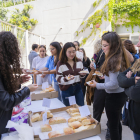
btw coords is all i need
(8, 3)
(25, 39)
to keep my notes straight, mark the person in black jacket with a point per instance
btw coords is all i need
(10, 78)
(86, 64)
(130, 80)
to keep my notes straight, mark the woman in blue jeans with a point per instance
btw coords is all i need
(50, 67)
(68, 76)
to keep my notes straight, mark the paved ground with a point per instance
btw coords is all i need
(126, 132)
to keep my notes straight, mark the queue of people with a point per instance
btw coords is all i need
(117, 61)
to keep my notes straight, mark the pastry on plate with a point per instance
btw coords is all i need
(75, 124)
(82, 128)
(75, 114)
(57, 120)
(35, 117)
(49, 114)
(88, 121)
(78, 118)
(91, 82)
(68, 131)
(98, 73)
(72, 110)
(54, 134)
(90, 126)
(45, 128)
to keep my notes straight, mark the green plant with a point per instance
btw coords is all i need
(127, 12)
(9, 3)
(22, 18)
(3, 13)
(96, 3)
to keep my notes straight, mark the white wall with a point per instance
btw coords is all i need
(66, 14)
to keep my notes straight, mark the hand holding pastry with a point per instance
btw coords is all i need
(70, 77)
(93, 84)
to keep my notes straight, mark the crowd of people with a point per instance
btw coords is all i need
(119, 86)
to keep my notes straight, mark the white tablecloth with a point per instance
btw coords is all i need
(55, 103)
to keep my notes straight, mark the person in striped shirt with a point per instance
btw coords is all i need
(68, 76)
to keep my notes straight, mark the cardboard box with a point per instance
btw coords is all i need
(75, 136)
(39, 94)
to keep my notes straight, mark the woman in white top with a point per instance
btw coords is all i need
(39, 62)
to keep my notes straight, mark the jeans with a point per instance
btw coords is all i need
(73, 90)
(56, 87)
(136, 136)
(113, 105)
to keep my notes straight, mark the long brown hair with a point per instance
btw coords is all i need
(117, 59)
(43, 46)
(136, 66)
(9, 62)
(63, 57)
(129, 46)
(84, 53)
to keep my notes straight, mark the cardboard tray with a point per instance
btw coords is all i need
(75, 136)
(36, 95)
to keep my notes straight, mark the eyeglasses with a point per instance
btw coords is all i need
(51, 49)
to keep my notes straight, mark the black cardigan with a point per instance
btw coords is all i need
(132, 90)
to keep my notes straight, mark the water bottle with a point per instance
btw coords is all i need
(94, 65)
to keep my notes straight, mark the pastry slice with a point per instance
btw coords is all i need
(78, 118)
(68, 131)
(57, 120)
(75, 124)
(82, 128)
(91, 126)
(73, 119)
(75, 114)
(88, 121)
(49, 114)
(35, 117)
(46, 128)
(40, 118)
(72, 110)
(54, 134)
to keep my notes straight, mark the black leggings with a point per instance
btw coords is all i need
(98, 103)
(113, 105)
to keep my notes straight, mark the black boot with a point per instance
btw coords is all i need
(107, 137)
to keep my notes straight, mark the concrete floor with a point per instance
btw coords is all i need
(127, 134)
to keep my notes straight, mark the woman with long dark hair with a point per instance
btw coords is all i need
(116, 61)
(68, 76)
(10, 78)
(50, 67)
